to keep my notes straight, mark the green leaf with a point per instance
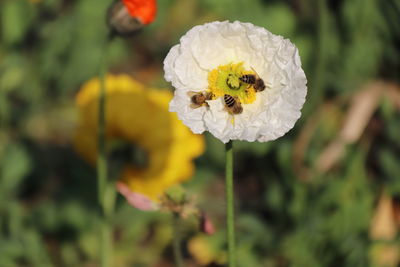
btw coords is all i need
(15, 164)
(16, 17)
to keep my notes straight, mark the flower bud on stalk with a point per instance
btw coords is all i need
(206, 225)
(126, 17)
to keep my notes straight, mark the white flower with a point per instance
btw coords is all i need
(212, 58)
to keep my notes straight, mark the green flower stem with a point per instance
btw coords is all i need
(176, 224)
(105, 189)
(101, 142)
(230, 204)
(106, 245)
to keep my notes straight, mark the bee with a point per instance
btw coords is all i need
(255, 80)
(232, 104)
(199, 99)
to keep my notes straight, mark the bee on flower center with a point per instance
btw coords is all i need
(199, 99)
(255, 80)
(232, 104)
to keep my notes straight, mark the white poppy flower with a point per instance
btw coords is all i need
(212, 59)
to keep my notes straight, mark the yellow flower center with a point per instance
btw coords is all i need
(225, 80)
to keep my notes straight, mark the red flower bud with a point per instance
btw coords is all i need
(144, 10)
(128, 16)
(206, 225)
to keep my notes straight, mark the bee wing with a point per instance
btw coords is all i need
(193, 105)
(226, 109)
(192, 93)
(255, 72)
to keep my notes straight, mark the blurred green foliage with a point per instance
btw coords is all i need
(289, 212)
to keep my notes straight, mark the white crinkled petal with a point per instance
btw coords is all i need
(193, 117)
(274, 58)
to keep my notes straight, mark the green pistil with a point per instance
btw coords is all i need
(233, 82)
(229, 82)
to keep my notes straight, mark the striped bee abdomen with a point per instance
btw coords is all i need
(248, 78)
(229, 100)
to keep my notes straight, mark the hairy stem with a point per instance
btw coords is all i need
(230, 204)
(105, 189)
(176, 221)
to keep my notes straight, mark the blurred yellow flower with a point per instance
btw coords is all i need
(205, 251)
(139, 116)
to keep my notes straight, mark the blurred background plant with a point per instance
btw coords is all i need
(327, 194)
